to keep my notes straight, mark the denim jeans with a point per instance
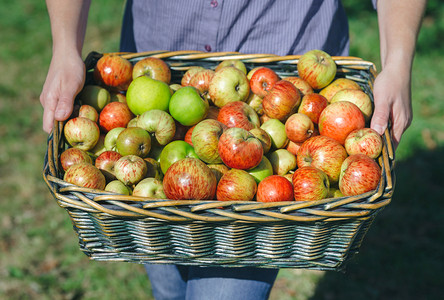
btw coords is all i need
(171, 282)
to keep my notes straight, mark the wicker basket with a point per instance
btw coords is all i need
(321, 235)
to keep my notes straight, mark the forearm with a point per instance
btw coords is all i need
(399, 24)
(68, 24)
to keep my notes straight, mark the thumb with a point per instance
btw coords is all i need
(380, 118)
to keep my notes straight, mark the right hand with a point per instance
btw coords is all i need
(65, 79)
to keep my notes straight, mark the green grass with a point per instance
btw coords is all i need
(401, 257)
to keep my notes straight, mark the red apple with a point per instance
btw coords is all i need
(114, 114)
(152, 67)
(240, 149)
(205, 140)
(312, 105)
(238, 114)
(299, 127)
(317, 68)
(359, 174)
(189, 179)
(364, 141)
(72, 156)
(310, 184)
(338, 119)
(236, 185)
(114, 72)
(130, 169)
(302, 85)
(201, 81)
(275, 188)
(189, 74)
(81, 133)
(85, 175)
(105, 162)
(293, 147)
(189, 134)
(323, 153)
(282, 100)
(262, 81)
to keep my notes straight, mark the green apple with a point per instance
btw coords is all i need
(188, 107)
(229, 84)
(233, 63)
(159, 123)
(261, 171)
(276, 130)
(149, 187)
(111, 138)
(118, 187)
(283, 161)
(174, 151)
(145, 93)
(135, 141)
(94, 95)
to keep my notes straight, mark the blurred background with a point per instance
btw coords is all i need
(402, 255)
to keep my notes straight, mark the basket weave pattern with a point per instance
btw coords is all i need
(322, 234)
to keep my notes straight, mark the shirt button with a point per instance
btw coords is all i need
(208, 48)
(214, 3)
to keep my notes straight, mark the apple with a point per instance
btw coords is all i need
(134, 141)
(262, 81)
(201, 81)
(310, 184)
(276, 131)
(282, 161)
(188, 107)
(110, 141)
(189, 74)
(118, 97)
(81, 133)
(312, 106)
(114, 114)
(232, 63)
(256, 103)
(72, 156)
(324, 153)
(302, 85)
(130, 169)
(85, 175)
(114, 72)
(238, 114)
(336, 85)
(236, 185)
(359, 174)
(146, 93)
(99, 147)
(159, 123)
(152, 67)
(153, 168)
(262, 170)
(205, 139)
(118, 187)
(282, 100)
(133, 122)
(174, 151)
(263, 137)
(364, 141)
(240, 149)
(105, 162)
(94, 95)
(218, 170)
(358, 97)
(334, 192)
(275, 188)
(338, 119)
(189, 179)
(189, 135)
(299, 128)
(89, 112)
(229, 84)
(174, 87)
(293, 147)
(316, 67)
(149, 187)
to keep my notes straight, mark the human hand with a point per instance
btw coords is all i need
(65, 79)
(392, 98)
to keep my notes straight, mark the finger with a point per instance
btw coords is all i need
(65, 103)
(380, 118)
(48, 112)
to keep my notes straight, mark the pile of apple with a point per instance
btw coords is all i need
(226, 133)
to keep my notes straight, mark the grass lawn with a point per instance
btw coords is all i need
(401, 257)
